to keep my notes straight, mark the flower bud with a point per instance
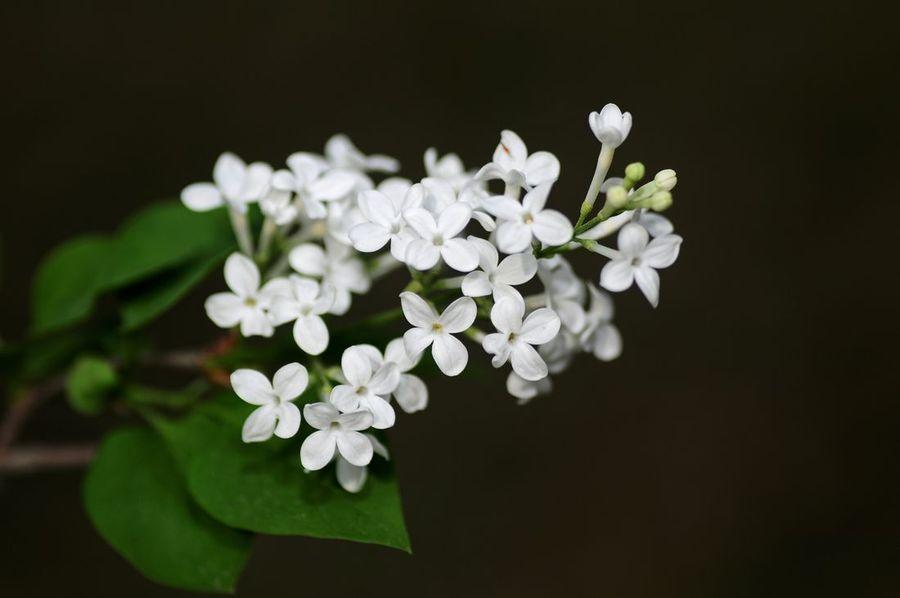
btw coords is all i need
(660, 200)
(665, 179)
(634, 171)
(617, 196)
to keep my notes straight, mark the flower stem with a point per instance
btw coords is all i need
(241, 230)
(604, 160)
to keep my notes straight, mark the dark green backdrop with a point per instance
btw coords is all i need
(746, 442)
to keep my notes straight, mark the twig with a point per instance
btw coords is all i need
(19, 411)
(35, 458)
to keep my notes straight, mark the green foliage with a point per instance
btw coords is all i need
(140, 395)
(163, 237)
(90, 383)
(136, 499)
(262, 487)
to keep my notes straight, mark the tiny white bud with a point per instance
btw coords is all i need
(665, 179)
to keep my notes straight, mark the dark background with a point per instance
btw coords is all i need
(746, 442)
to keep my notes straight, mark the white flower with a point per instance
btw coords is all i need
(519, 222)
(352, 477)
(666, 179)
(438, 239)
(276, 413)
(638, 260)
(305, 306)
(525, 390)
(383, 222)
(366, 386)
(610, 125)
(278, 205)
(341, 153)
(336, 430)
(564, 292)
(247, 304)
(513, 165)
(236, 184)
(448, 168)
(310, 178)
(600, 336)
(448, 352)
(497, 279)
(335, 265)
(559, 353)
(411, 392)
(515, 338)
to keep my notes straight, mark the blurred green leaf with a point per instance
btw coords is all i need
(135, 496)
(139, 394)
(90, 383)
(163, 236)
(67, 282)
(261, 487)
(148, 302)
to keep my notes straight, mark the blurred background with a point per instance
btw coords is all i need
(746, 442)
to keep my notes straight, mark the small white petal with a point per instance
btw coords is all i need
(476, 284)
(617, 275)
(225, 309)
(503, 207)
(662, 252)
(417, 311)
(411, 393)
(540, 168)
(356, 448)
(358, 420)
(318, 449)
(516, 269)
(252, 387)
(648, 281)
(421, 221)
(552, 227)
(535, 200)
(351, 477)
(453, 220)
(344, 397)
(290, 381)
(201, 197)
(459, 315)
(357, 366)
(368, 237)
(506, 315)
(487, 253)
(383, 415)
(422, 254)
(416, 340)
(255, 322)
(288, 420)
(259, 425)
(311, 334)
(513, 236)
(633, 238)
(459, 255)
(241, 275)
(511, 152)
(540, 326)
(385, 379)
(228, 173)
(527, 363)
(449, 354)
(320, 415)
(308, 259)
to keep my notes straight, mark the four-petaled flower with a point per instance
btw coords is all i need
(520, 222)
(411, 392)
(610, 125)
(352, 477)
(247, 304)
(438, 238)
(335, 431)
(638, 260)
(313, 182)
(514, 339)
(448, 168)
(512, 163)
(600, 336)
(304, 306)
(236, 184)
(275, 414)
(366, 386)
(448, 352)
(336, 265)
(341, 153)
(383, 222)
(495, 277)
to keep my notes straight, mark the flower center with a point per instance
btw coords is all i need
(362, 390)
(438, 240)
(511, 337)
(306, 310)
(437, 327)
(636, 261)
(527, 218)
(250, 302)
(334, 426)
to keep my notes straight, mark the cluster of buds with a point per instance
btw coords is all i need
(486, 259)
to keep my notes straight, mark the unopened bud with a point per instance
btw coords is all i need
(665, 179)
(635, 171)
(617, 196)
(660, 200)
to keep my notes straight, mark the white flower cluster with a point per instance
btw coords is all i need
(334, 231)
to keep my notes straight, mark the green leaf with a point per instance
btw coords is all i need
(135, 496)
(89, 384)
(138, 394)
(148, 302)
(261, 487)
(68, 281)
(165, 236)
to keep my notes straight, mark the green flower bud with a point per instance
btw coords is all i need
(660, 200)
(634, 171)
(665, 179)
(617, 196)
